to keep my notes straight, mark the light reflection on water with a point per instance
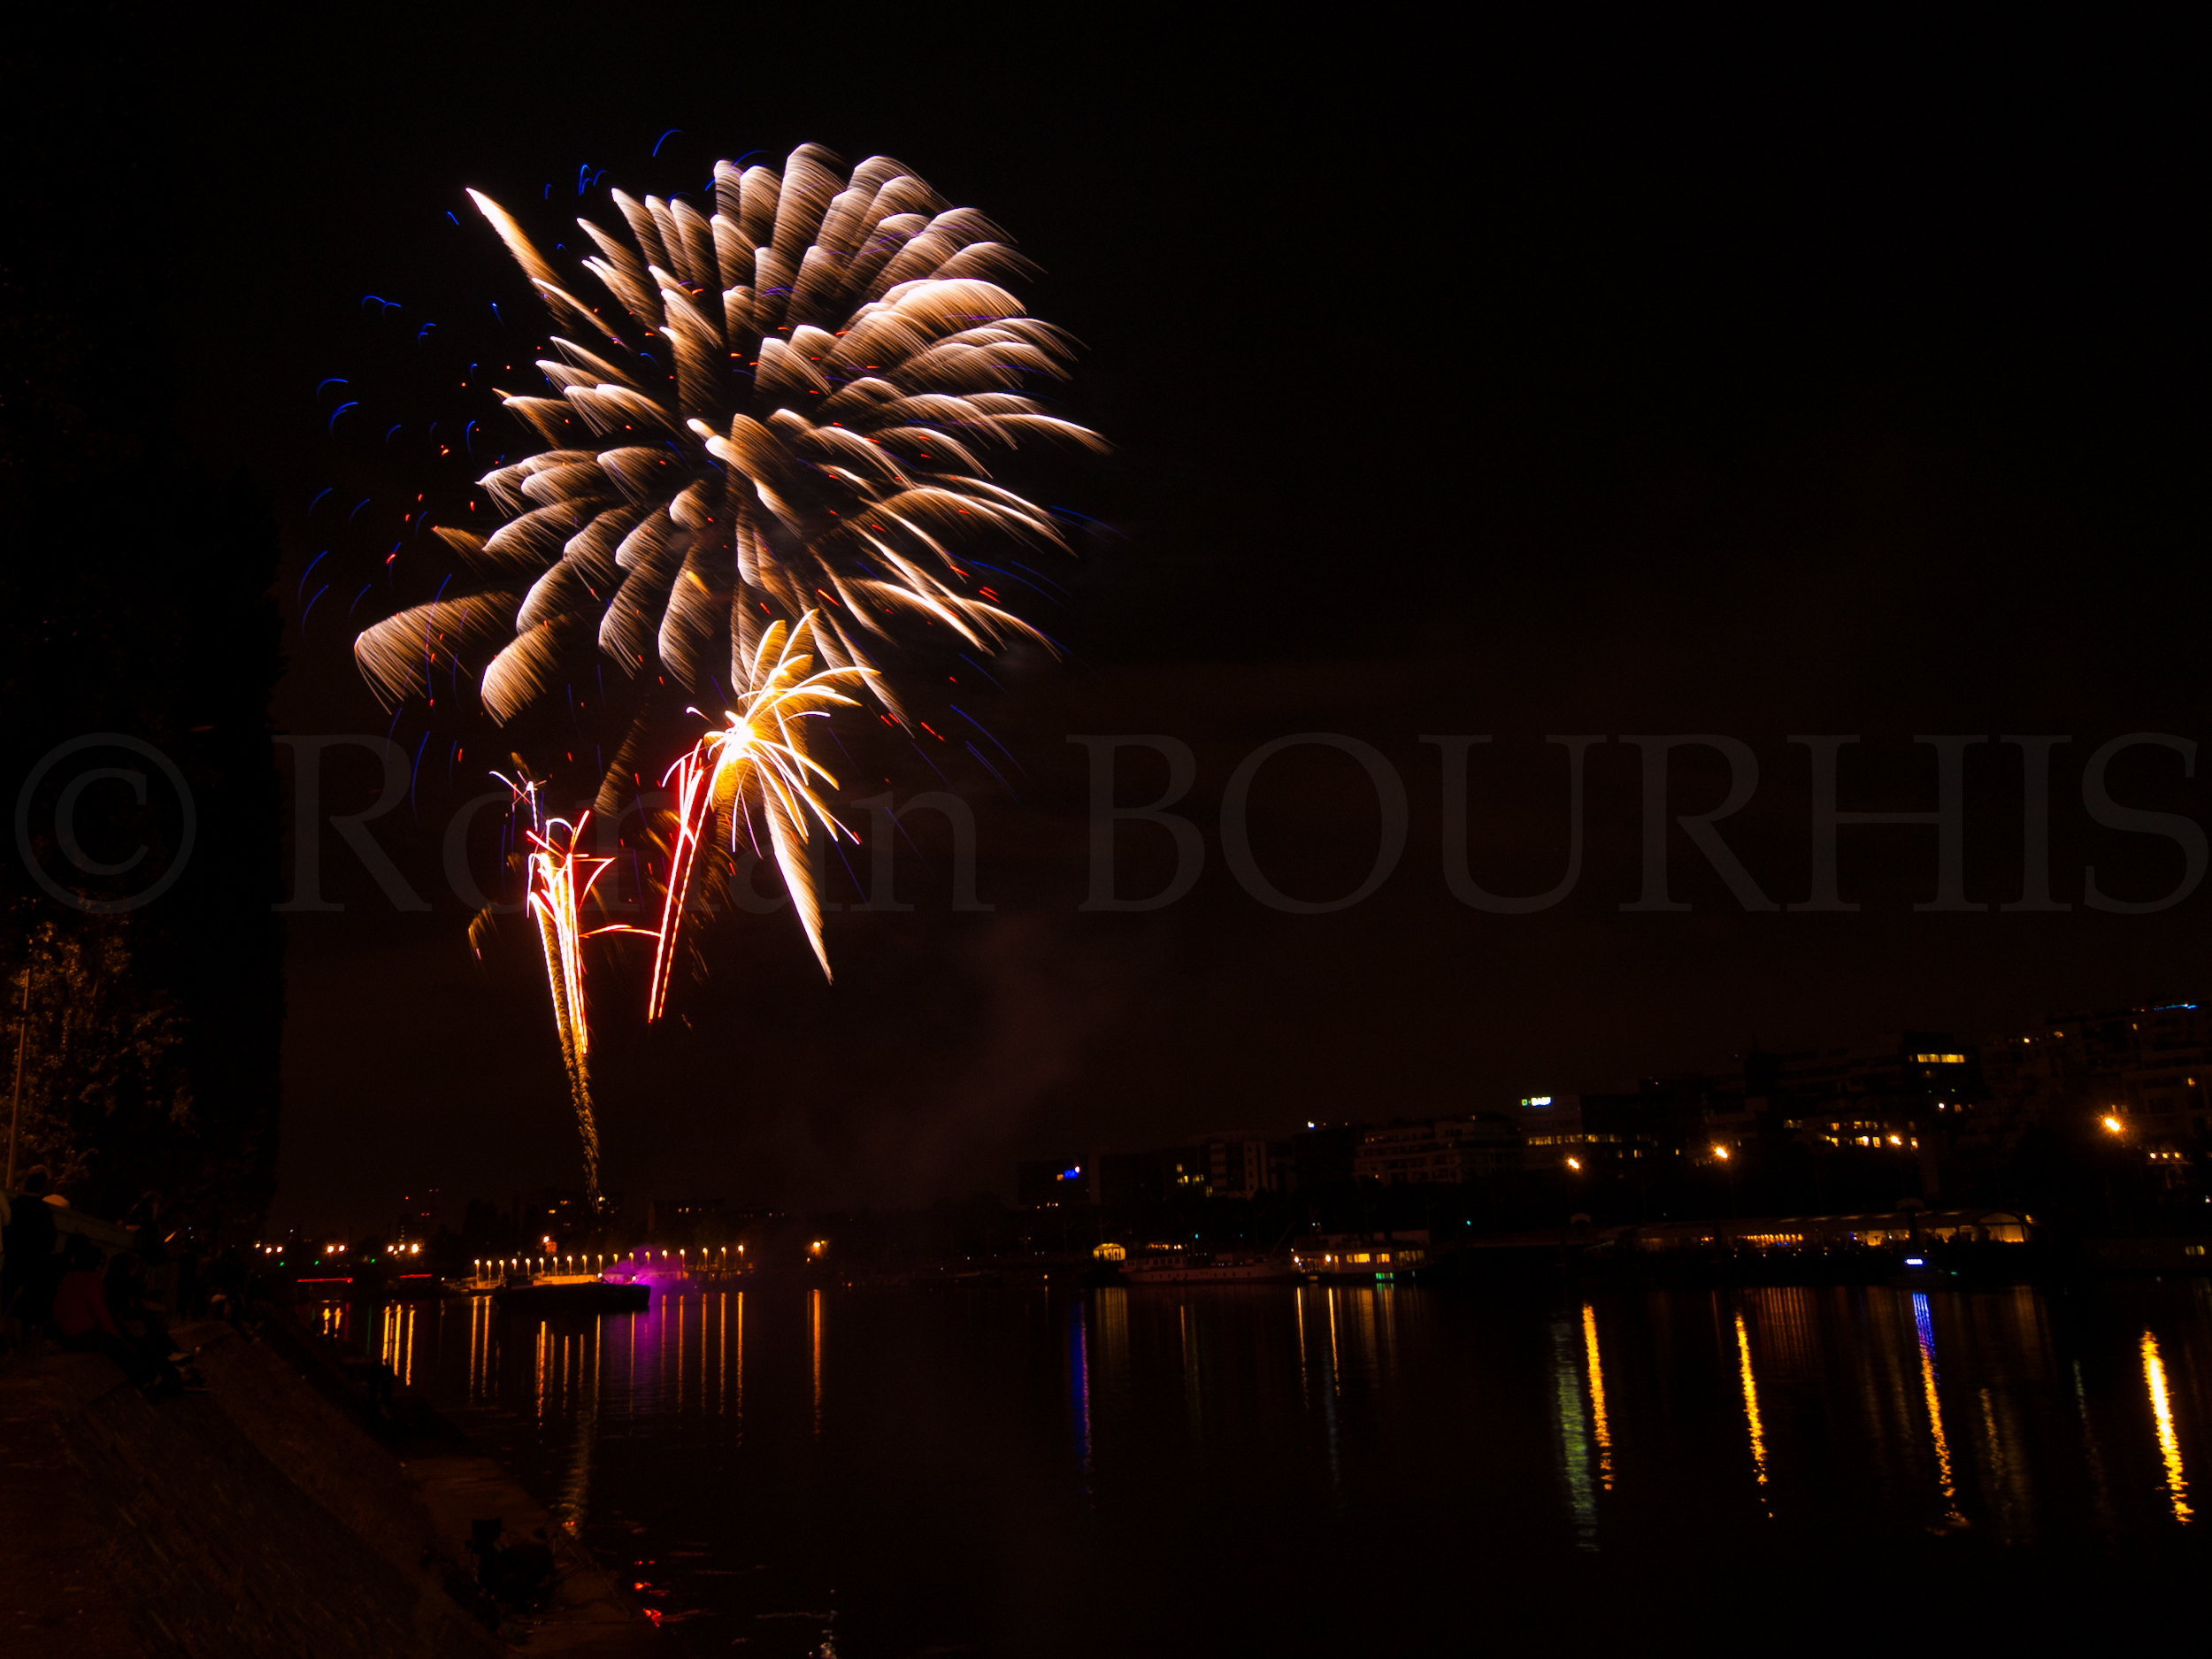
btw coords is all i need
(2169, 1443)
(903, 1468)
(1750, 1382)
(1930, 1390)
(1575, 1448)
(1597, 1396)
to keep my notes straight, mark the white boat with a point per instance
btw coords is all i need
(1218, 1270)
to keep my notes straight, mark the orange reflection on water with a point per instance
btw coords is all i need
(2169, 1444)
(1191, 1398)
(1597, 1396)
(814, 1314)
(398, 1342)
(575, 1499)
(480, 1341)
(1113, 1337)
(1750, 1399)
(736, 1369)
(1331, 1384)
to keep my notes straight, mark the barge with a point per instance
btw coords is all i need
(571, 1292)
(1220, 1269)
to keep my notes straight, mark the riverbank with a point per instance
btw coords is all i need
(279, 1513)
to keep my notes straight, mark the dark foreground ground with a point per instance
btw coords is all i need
(275, 1513)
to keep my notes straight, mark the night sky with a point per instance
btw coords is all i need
(1619, 386)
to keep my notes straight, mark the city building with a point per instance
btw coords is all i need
(561, 1216)
(1321, 1157)
(418, 1216)
(2148, 1067)
(688, 1218)
(1438, 1151)
(1908, 1094)
(1052, 1184)
(1229, 1163)
(1155, 1177)
(1591, 1132)
(1924, 1066)
(1237, 1164)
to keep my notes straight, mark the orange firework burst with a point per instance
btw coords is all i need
(844, 360)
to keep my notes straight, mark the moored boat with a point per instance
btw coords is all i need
(1210, 1270)
(572, 1293)
(1352, 1256)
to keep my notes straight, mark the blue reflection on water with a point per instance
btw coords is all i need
(1079, 1384)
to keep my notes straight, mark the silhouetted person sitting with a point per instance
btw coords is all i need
(191, 1304)
(82, 1319)
(226, 1286)
(519, 1574)
(145, 1222)
(138, 1320)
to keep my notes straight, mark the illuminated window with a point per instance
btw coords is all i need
(1940, 1059)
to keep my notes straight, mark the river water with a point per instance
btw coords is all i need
(1269, 1469)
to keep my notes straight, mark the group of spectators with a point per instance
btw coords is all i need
(57, 1283)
